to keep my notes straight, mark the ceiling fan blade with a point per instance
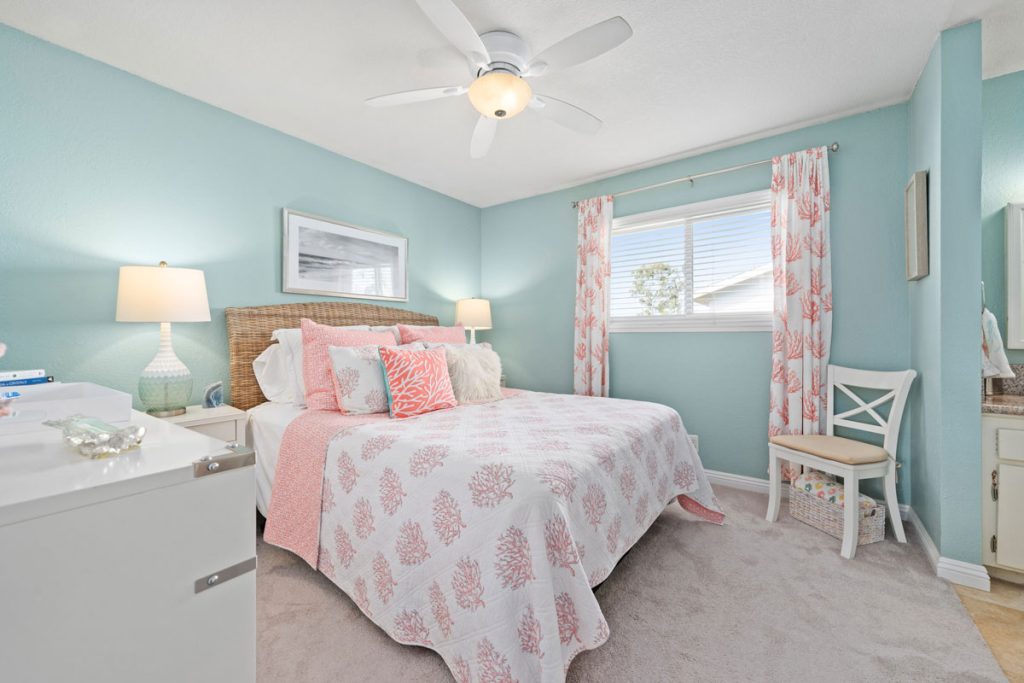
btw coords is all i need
(483, 136)
(411, 96)
(563, 113)
(454, 25)
(581, 46)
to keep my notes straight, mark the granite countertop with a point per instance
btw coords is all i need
(1008, 395)
(1003, 404)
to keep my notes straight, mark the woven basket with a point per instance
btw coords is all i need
(828, 517)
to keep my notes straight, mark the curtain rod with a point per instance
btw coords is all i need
(834, 147)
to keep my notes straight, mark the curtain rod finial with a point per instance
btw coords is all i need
(834, 147)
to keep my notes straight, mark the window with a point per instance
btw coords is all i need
(699, 267)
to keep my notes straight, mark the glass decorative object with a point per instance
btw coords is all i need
(213, 396)
(97, 439)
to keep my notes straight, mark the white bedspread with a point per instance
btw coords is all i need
(479, 531)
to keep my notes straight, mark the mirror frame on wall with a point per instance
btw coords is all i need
(1014, 275)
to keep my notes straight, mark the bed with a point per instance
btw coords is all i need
(480, 531)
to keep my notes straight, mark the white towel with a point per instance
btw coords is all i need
(993, 358)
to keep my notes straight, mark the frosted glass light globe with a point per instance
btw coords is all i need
(499, 94)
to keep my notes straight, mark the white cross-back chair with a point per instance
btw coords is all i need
(851, 459)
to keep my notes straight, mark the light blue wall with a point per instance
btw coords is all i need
(925, 409)
(1002, 182)
(717, 381)
(99, 168)
(945, 138)
(961, 282)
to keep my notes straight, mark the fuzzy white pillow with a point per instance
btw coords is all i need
(475, 371)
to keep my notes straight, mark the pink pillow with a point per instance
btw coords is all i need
(417, 381)
(432, 333)
(316, 363)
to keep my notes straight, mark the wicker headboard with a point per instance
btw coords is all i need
(249, 331)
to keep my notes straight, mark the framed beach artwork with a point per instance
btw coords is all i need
(915, 219)
(327, 257)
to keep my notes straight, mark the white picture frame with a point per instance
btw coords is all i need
(915, 224)
(1014, 275)
(331, 258)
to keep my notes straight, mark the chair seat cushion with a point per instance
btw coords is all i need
(834, 448)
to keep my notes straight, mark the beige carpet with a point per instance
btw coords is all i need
(691, 602)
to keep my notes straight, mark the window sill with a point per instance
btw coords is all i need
(720, 323)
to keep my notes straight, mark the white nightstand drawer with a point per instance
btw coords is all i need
(225, 431)
(223, 422)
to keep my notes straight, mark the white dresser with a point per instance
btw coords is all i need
(1002, 502)
(139, 567)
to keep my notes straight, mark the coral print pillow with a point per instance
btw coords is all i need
(432, 333)
(417, 381)
(358, 381)
(316, 363)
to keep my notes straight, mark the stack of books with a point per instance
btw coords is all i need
(23, 378)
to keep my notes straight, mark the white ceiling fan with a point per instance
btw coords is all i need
(500, 62)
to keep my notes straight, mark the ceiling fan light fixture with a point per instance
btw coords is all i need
(500, 94)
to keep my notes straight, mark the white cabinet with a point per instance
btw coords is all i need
(106, 565)
(1002, 456)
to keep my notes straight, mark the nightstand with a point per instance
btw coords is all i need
(223, 422)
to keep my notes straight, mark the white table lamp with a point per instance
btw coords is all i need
(473, 314)
(158, 294)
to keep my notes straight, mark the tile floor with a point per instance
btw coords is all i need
(999, 616)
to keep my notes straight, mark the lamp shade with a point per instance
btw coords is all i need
(474, 314)
(158, 294)
(499, 94)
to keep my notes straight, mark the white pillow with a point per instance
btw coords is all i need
(358, 379)
(475, 371)
(274, 374)
(393, 329)
(291, 340)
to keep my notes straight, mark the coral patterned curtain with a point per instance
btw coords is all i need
(593, 270)
(802, 319)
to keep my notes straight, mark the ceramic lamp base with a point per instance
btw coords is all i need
(165, 386)
(166, 413)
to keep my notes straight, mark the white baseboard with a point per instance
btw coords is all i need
(744, 483)
(963, 573)
(739, 481)
(927, 543)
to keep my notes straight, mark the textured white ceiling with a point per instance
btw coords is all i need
(695, 74)
(1002, 29)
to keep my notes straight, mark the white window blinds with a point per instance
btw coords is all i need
(704, 266)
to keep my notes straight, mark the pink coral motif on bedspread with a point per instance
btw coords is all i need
(480, 532)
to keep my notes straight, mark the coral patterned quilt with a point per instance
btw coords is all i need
(480, 531)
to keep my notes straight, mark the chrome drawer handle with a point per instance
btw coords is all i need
(224, 575)
(234, 458)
